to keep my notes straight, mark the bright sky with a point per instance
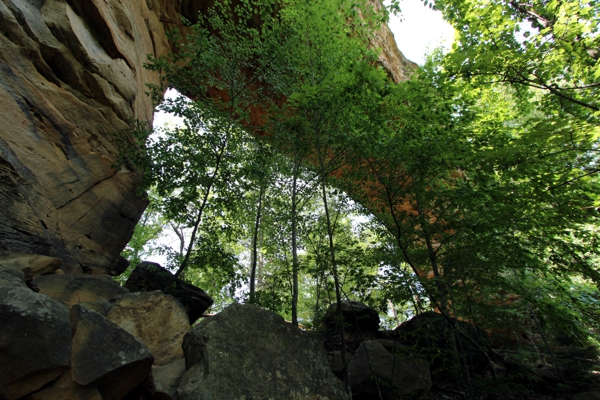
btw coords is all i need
(421, 30)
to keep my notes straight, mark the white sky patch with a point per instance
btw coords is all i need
(419, 30)
(162, 119)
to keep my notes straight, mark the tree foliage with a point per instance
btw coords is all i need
(477, 178)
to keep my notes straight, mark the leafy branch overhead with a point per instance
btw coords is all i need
(302, 174)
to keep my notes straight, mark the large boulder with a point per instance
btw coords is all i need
(155, 318)
(248, 352)
(72, 76)
(30, 264)
(358, 317)
(167, 377)
(373, 371)
(149, 276)
(73, 289)
(105, 355)
(35, 337)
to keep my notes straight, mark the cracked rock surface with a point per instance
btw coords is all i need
(105, 355)
(73, 289)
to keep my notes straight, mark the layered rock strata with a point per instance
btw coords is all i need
(72, 75)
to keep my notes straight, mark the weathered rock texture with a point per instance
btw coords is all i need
(430, 335)
(149, 276)
(72, 75)
(156, 319)
(106, 356)
(247, 352)
(167, 377)
(73, 289)
(30, 264)
(35, 337)
(66, 388)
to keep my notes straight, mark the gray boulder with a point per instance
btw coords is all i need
(358, 317)
(35, 337)
(105, 355)
(248, 352)
(13, 278)
(155, 318)
(72, 289)
(373, 370)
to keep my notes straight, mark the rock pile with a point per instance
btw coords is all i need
(83, 336)
(377, 365)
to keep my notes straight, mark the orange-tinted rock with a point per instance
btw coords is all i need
(30, 264)
(156, 319)
(65, 388)
(149, 276)
(72, 76)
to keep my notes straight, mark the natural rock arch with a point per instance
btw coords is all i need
(72, 75)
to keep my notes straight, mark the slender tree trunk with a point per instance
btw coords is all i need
(336, 280)
(295, 266)
(394, 314)
(254, 256)
(261, 262)
(179, 232)
(338, 291)
(186, 259)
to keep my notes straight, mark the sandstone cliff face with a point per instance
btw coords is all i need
(71, 75)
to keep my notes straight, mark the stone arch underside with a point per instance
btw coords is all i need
(71, 76)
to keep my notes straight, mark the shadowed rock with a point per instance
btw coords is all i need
(30, 264)
(358, 317)
(149, 276)
(72, 289)
(35, 337)
(157, 319)
(373, 370)
(65, 388)
(167, 377)
(105, 355)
